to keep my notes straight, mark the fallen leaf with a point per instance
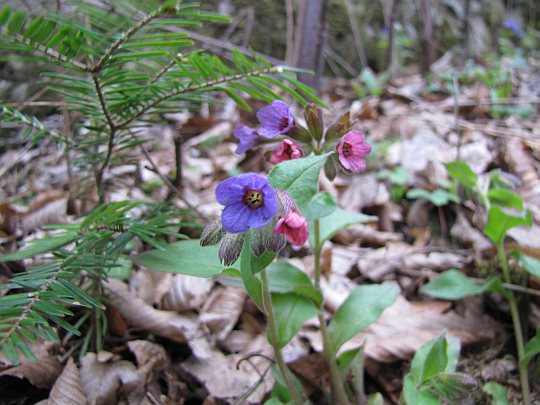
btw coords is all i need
(105, 382)
(228, 378)
(141, 315)
(222, 310)
(405, 326)
(186, 293)
(400, 256)
(42, 373)
(67, 389)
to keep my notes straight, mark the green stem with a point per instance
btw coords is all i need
(523, 376)
(273, 339)
(338, 388)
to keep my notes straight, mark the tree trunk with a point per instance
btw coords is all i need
(309, 36)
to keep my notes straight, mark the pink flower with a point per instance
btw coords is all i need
(352, 150)
(287, 150)
(294, 226)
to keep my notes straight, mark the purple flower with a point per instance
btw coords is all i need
(513, 25)
(275, 119)
(352, 150)
(247, 137)
(250, 202)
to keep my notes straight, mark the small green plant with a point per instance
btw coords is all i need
(399, 178)
(504, 212)
(432, 378)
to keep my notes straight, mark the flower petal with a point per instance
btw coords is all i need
(247, 137)
(229, 191)
(235, 218)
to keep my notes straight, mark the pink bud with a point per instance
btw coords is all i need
(287, 150)
(294, 226)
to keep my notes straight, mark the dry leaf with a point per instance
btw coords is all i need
(405, 326)
(42, 373)
(52, 212)
(222, 309)
(67, 389)
(365, 191)
(148, 354)
(400, 256)
(105, 382)
(469, 236)
(186, 293)
(229, 378)
(136, 312)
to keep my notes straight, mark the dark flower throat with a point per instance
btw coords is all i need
(253, 198)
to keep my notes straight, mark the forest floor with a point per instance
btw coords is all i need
(179, 339)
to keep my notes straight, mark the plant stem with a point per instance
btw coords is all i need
(338, 388)
(273, 339)
(517, 327)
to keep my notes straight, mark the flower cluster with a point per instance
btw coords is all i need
(252, 205)
(277, 119)
(253, 210)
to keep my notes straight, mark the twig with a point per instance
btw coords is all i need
(356, 33)
(168, 182)
(191, 88)
(112, 134)
(289, 35)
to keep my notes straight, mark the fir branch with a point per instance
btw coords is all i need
(196, 87)
(8, 114)
(112, 135)
(46, 51)
(126, 36)
(35, 297)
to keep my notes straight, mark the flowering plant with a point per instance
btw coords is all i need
(261, 215)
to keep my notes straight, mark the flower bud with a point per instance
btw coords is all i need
(212, 233)
(342, 126)
(314, 121)
(230, 248)
(294, 226)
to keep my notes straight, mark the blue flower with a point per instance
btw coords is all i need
(250, 202)
(276, 119)
(247, 137)
(514, 26)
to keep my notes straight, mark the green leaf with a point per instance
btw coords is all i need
(363, 306)
(437, 356)
(461, 172)
(398, 176)
(4, 15)
(286, 278)
(498, 393)
(291, 312)
(299, 177)
(530, 264)
(505, 198)
(322, 204)
(247, 271)
(375, 399)
(499, 222)
(184, 257)
(39, 246)
(335, 222)
(532, 348)
(414, 396)
(16, 22)
(454, 285)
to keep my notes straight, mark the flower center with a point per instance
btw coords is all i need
(346, 149)
(284, 123)
(253, 198)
